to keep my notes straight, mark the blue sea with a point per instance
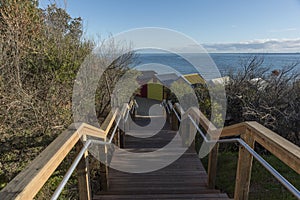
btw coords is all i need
(223, 61)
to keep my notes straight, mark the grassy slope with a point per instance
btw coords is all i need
(263, 184)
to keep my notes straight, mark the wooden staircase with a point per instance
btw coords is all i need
(185, 178)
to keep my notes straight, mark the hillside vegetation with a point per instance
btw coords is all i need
(41, 51)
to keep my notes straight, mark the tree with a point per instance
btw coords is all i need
(41, 52)
(38, 63)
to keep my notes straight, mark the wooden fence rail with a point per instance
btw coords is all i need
(29, 182)
(251, 132)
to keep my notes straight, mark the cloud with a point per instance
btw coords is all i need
(263, 46)
(283, 30)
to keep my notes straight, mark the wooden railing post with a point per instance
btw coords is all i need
(167, 114)
(133, 113)
(192, 134)
(123, 133)
(175, 121)
(127, 124)
(118, 137)
(212, 166)
(83, 177)
(188, 130)
(122, 138)
(243, 174)
(103, 177)
(104, 171)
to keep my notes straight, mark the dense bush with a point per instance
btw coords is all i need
(255, 93)
(40, 53)
(270, 98)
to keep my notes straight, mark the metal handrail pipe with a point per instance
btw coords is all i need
(126, 117)
(115, 129)
(164, 104)
(170, 105)
(273, 171)
(198, 129)
(73, 167)
(70, 171)
(262, 161)
(179, 119)
(136, 104)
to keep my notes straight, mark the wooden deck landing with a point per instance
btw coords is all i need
(186, 178)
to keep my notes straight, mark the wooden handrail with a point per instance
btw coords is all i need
(108, 122)
(250, 132)
(233, 130)
(280, 147)
(28, 183)
(283, 149)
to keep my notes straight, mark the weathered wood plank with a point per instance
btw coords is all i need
(108, 122)
(233, 130)
(243, 174)
(185, 176)
(209, 196)
(89, 130)
(27, 184)
(83, 176)
(174, 121)
(277, 145)
(283, 149)
(212, 167)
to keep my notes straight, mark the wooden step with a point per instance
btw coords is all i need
(211, 196)
(161, 190)
(185, 178)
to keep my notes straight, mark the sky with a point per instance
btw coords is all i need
(219, 25)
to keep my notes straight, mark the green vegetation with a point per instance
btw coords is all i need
(263, 185)
(257, 94)
(40, 54)
(41, 51)
(272, 99)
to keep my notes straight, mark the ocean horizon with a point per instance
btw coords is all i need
(225, 62)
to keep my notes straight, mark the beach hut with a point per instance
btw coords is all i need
(150, 88)
(156, 86)
(166, 80)
(221, 81)
(194, 79)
